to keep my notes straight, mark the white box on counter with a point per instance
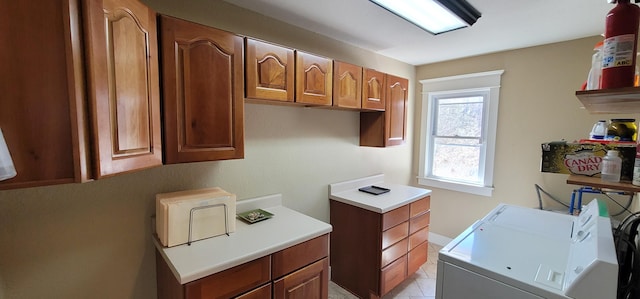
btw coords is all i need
(207, 207)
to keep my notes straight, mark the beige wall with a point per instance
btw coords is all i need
(537, 104)
(93, 240)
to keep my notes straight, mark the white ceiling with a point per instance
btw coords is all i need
(504, 25)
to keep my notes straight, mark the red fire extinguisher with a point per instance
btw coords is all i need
(619, 51)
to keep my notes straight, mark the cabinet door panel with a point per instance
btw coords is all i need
(310, 282)
(270, 71)
(123, 85)
(373, 92)
(203, 98)
(43, 101)
(347, 85)
(313, 79)
(396, 110)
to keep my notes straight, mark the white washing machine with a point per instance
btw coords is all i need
(520, 253)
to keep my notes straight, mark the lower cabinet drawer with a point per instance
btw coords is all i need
(418, 237)
(231, 282)
(393, 252)
(419, 222)
(395, 234)
(297, 256)
(393, 275)
(259, 293)
(417, 257)
(420, 206)
(395, 217)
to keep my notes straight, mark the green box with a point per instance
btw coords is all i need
(585, 158)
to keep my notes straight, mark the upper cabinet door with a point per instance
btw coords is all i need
(203, 84)
(373, 92)
(270, 71)
(42, 100)
(347, 85)
(313, 79)
(396, 111)
(123, 89)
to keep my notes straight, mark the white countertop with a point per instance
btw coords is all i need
(249, 242)
(400, 195)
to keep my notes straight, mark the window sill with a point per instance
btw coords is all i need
(455, 186)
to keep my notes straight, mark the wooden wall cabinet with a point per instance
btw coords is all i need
(203, 84)
(373, 92)
(396, 242)
(347, 85)
(389, 127)
(123, 85)
(313, 79)
(298, 272)
(270, 71)
(59, 129)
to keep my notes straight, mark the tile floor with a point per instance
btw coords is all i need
(421, 285)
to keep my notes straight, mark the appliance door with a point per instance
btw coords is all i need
(457, 283)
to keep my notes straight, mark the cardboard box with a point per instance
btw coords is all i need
(585, 158)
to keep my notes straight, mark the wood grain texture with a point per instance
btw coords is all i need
(417, 257)
(347, 85)
(420, 206)
(397, 97)
(394, 274)
(42, 111)
(231, 282)
(270, 71)
(314, 84)
(123, 87)
(297, 256)
(373, 92)
(259, 293)
(203, 92)
(395, 234)
(310, 282)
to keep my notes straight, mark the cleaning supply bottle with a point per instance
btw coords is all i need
(595, 74)
(611, 167)
(636, 168)
(619, 51)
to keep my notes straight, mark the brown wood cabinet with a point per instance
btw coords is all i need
(347, 85)
(313, 79)
(123, 85)
(270, 71)
(373, 95)
(387, 128)
(59, 129)
(203, 101)
(396, 243)
(298, 272)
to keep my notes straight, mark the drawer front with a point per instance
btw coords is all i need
(231, 282)
(297, 256)
(259, 293)
(418, 237)
(420, 206)
(417, 257)
(393, 275)
(419, 222)
(395, 217)
(395, 234)
(393, 252)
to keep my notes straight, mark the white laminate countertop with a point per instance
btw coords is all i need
(249, 242)
(400, 195)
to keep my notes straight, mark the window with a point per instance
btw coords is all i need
(459, 120)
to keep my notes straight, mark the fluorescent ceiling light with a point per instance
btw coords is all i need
(434, 16)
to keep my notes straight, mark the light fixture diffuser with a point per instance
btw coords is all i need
(434, 16)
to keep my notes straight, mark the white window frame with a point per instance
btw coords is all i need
(476, 83)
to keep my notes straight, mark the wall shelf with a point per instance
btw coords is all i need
(598, 183)
(618, 100)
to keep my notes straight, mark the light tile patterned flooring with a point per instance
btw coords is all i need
(421, 285)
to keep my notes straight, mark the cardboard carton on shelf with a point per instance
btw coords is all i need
(585, 157)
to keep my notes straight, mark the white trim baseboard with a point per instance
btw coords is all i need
(439, 239)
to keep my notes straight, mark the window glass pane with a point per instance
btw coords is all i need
(457, 159)
(460, 116)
